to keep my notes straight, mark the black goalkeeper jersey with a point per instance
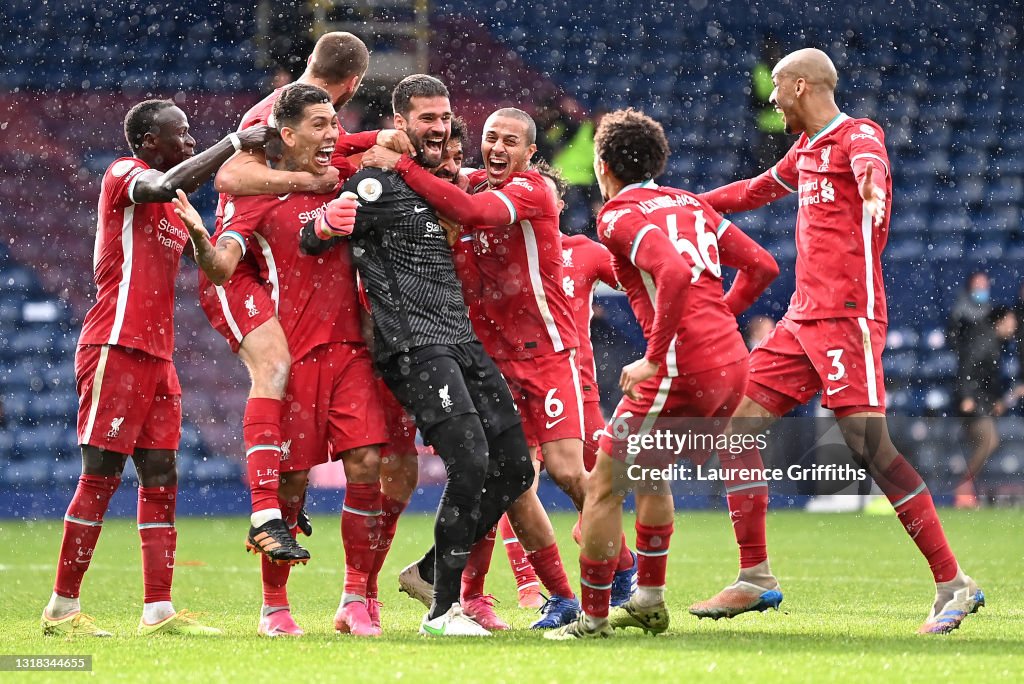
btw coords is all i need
(405, 264)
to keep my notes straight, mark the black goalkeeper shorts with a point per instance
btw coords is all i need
(439, 381)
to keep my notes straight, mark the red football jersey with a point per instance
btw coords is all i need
(135, 261)
(585, 263)
(520, 265)
(838, 247)
(315, 296)
(706, 335)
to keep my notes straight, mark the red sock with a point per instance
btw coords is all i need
(625, 556)
(261, 433)
(159, 540)
(275, 577)
(82, 525)
(910, 497)
(596, 581)
(652, 554)
(748, 508)
(477, 565)
(390, 511)
(521, 568)
(360, 517)
(547, 563)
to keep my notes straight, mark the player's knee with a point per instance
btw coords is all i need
(362, 464)
(293, 486)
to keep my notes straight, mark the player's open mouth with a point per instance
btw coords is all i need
(323, 155)
(496, 166)
(434, 145)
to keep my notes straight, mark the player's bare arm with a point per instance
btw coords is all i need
(218, 261)
(153, 186)
(248, 174)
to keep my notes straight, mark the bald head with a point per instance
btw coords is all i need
(810, 64)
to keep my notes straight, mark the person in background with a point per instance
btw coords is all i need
(981, 393)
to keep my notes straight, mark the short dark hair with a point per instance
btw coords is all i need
(417, 85)
(139, 121)
(294, 99)
(513, 113)
(459, 130)
(338, 56)
(548, 171)
(632, 144)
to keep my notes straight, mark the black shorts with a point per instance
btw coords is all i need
(439, 381)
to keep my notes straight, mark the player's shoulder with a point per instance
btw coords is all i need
(125, 167)
(855, 130)
(580, 241)
(618, 214)
(373, 184)
(529, 180)
(261, 112)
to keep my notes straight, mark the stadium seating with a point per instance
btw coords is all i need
(950, 102)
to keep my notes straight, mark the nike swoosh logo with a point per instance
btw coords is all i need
(832, 390)
(419, 210)
(552, 423)
(170, 566)
(284, 197)
(266, 482)
(460, 553)
(433, 630)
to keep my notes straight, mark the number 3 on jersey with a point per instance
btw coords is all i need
(704, 256)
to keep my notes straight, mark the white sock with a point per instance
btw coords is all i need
(646, 597)
(592, 622)
(267, 610)
(157, 611)
(260, 518)
(61, 607)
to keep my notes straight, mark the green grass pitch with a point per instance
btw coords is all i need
(855, 590)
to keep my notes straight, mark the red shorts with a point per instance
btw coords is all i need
(840, 357)
(331, 405)
(401, 426)
(665, 401)
(547, 391)
(593, 426)
(239, 306)
(128, 399)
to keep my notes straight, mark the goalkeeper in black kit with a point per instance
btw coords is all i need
(425, 347)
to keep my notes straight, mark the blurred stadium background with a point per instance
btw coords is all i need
(942, 79)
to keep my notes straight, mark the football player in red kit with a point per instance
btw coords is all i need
(333, 411)
(831, 338)
(130, 400)
(242, 309)
(668, 249)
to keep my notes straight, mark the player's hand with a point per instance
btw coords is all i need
(380, 158)
(873, 195)
(339, 219)
(397, 141)
(451, 230)
(257, 137)
(322, 183)
(634, 374)
(190, 217)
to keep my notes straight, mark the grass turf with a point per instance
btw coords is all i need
(856, 590)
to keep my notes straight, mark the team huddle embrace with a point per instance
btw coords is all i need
(374, 289)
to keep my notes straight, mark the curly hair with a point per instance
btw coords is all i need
(632, 144)
(548, 171)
